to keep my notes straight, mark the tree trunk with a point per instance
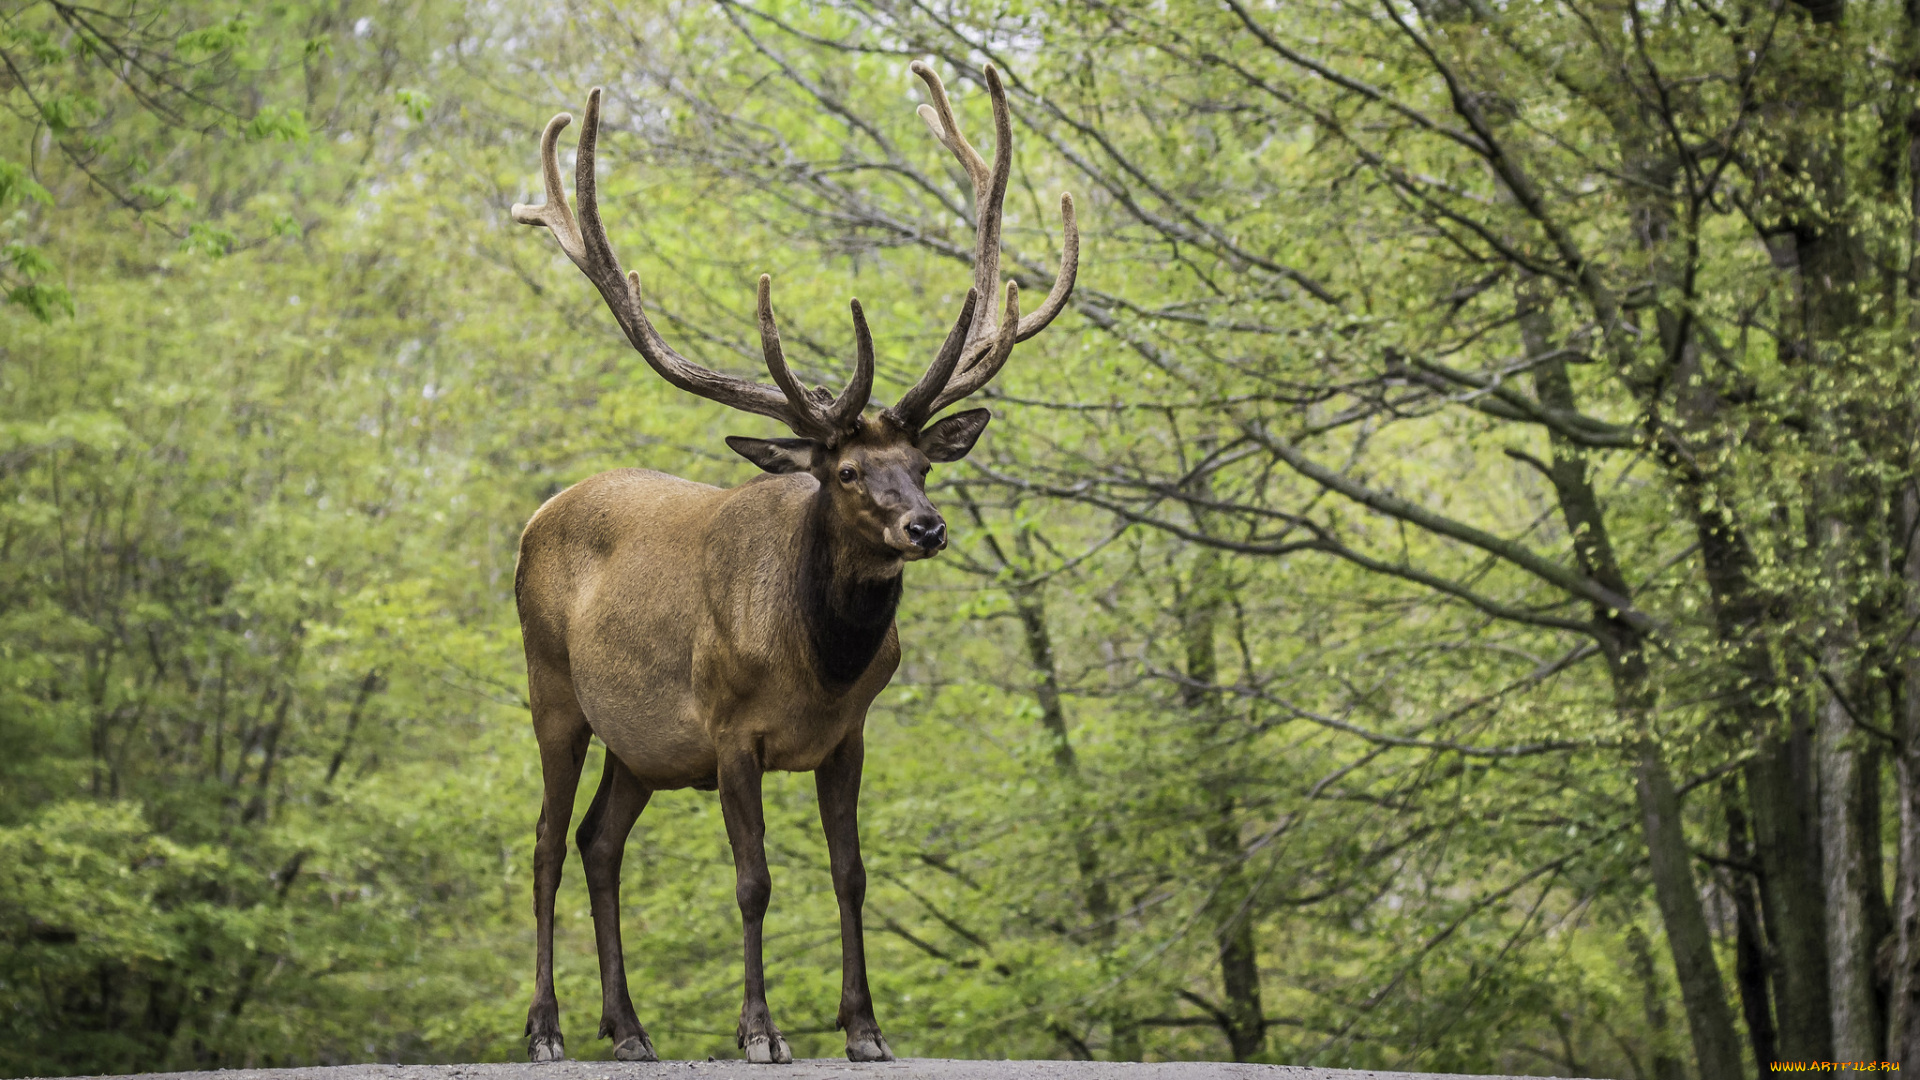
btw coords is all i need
(1903, 1004)
(1779, 782)
(1031, 608)
(1029, 603)
(1793, 900)
(1828, 268)
(1851, 608)
(1710, 1022)
(1715, 1049)
(1879, 910)
(1665, 1065)
(1246, 1027)
(1903, 1035)
(1750, 948)
(1780, 792)
(1850, 940)
(1229, 908)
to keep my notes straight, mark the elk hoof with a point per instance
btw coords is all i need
(635, 1048)
(546, 1048)
(769, 1050)
(870, 1048)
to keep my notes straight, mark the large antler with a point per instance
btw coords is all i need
(976, 349)
(811, 415)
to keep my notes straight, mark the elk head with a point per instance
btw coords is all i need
(871, 469)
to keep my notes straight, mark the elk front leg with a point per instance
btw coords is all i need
(753, 887)
(838, 783)
(603, 844)
(561, 730)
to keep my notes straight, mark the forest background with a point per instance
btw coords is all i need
(1443, 597)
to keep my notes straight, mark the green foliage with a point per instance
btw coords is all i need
(282, 124)
(282, 382)
(16, 185)
(114, 90)
(414, 103)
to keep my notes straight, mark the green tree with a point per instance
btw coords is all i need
(127, 97)
(1587, 236)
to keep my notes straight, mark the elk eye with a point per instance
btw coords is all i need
(847, 474)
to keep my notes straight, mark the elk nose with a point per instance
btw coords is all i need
(929, 533)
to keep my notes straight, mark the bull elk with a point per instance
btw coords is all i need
(707, 635)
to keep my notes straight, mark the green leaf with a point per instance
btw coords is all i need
(15, 184)
(209, 240)
(43, 301)
(26, 259)
(285, 124)
(64, 112)
(414, 102)
(159, 195)
(216, 39)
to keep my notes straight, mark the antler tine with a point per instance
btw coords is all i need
(913, 408)
(584, 239)
(854, 398)
(939, 117)
(586, 188)
(989, 182)
(986, 348)
(983, 370)
(804, 409)
(602, 267)
(1062, 289)
(1056, 299)
(554, 213)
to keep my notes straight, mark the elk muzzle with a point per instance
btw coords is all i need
(927, 532)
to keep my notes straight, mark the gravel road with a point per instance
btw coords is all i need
(816, 1069)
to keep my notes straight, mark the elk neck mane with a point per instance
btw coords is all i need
(847, 597)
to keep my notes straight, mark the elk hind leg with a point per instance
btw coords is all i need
(753, 888)
(838, 783)
(561, 730)
(603, 842)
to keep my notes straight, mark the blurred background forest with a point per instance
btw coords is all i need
(1443, 597)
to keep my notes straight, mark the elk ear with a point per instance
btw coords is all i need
(951, 438)
(775, 455)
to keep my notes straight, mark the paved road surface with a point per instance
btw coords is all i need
(816, 1069)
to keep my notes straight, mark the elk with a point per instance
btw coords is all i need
(708, 635)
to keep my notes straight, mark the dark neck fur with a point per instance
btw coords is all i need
(847, 614)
